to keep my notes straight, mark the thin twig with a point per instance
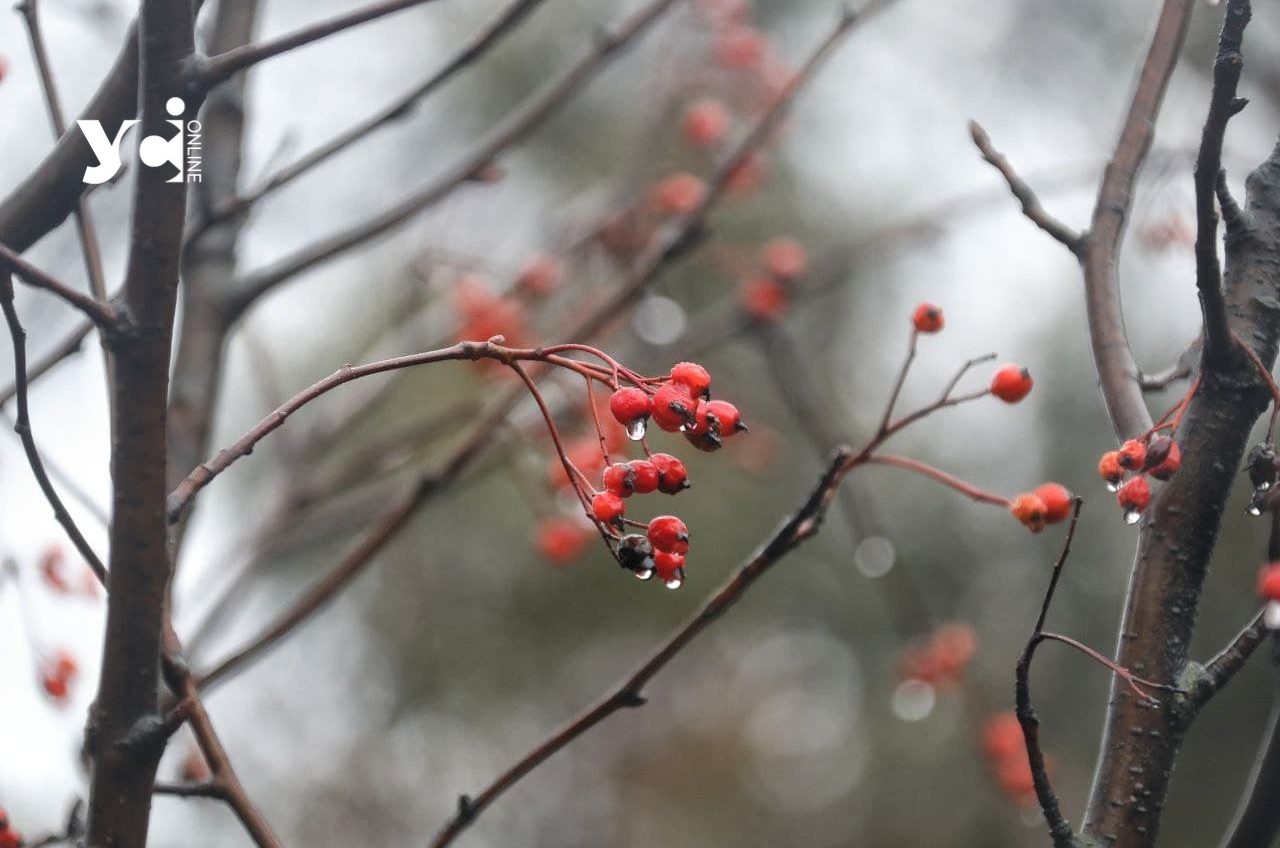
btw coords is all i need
(1219, 671)
(42, 365)
(100, 314)
(1023, 193)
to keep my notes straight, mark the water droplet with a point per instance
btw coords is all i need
(1132, 516)
(635, 430)
(913, 700)
(1113, 487)
(1263, 486)
(684, 428)
(676, 580)
(1254, 509)
(874, 556)
(1271, 616)
(644, 572)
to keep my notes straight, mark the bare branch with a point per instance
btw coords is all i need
(65, 349)
(1023, 193)
(1209, 176)
(1219, 671)
(99, 313)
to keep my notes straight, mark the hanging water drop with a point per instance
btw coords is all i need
(644, 572)
(675, 581)
(1271, 615)
(1262, 486)
(1132, 516)
(1113, 487)
(1254, 508)
(635, 430)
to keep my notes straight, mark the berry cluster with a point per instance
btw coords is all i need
(940, 659)
(1156, 456)
(57, 673)
(1048, 504)
(10, 837)
(1006, 750)
(767, 295)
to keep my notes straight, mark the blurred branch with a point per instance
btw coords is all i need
(101, 314)
(532, 114)
(210, 72)
(1256, 824)
(481, 42)
(1182, 368)
(1023, 193)
(65, 349)
(1223, 105)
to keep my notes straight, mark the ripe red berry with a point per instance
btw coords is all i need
(561, 539)
(65, 665)
(722, 418)
(672, 407)
(928, 318)
(1269, 581)
(620, 479)
(668, 533)
(741, 48)
(1002, 737)
(10, 838)
(764, 298)
(55, 686)
(677, 194)
(1011, 383)
(1031, 511)
(644, 476)
(607, 507)
(672, 475)
(1167, 467)
(784, 258)
(667, 564)
(1110, 469)
(1016, 779)
(1133, 455)
(705, 123)
(1057, 501)
(1133, 498)
(629, 405)
(693, 377)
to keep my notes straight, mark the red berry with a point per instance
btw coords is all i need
(10, 838)
(741, 48)
(724, 417)
(691, 375)
(1133, 455)
(540, 275)
(65, 665)
(677, 194)
(1057, 501)
(1110, 469)
(55, 686)
(607, 507)
(672, 407)
(927, 318)
(1133, 498)
(560, 540)
(1167, 467)
(1002, 737)
(620, 479)
(1011, 383)
(644, 476)
(1016, 780)
(667, 564)
(629, 405)
(668, 533)
(764, 299)
(784, 258)
(672, 475)
(706, 122)
(1031, 511)
(1269, 581)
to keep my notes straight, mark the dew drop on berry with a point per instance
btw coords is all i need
(1271, 616)
(1255, 509)
(1113, 487)
(1132, 516)
(913, 700)
(676, 580)
(644, 572)
(636, 429)
(1263, 486)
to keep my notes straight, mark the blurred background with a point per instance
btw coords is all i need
(464, 644)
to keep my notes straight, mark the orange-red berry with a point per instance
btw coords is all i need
(644, 476)
(677, 194)
(928, 318)
(1031, 511)
(784, 258)
(1057, 501)
(741, 48)
(672, 475)
(1011, 383)
(607, 507)
(705, 123)
(1133, 498)
(1269, 581)
(561, 539)
(1110, 469)
(668, 533)
(1002, 736)
(1133, 455)
(764, 298)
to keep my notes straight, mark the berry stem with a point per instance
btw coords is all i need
(938, 475)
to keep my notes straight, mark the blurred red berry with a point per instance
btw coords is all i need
(540, 275)
(677, 194)
(747, 175)
(927, 318)
(705, 123)
(741, 47)
(1110, 469)
(1002, 737)
(784, 258)
(561, 539)
(1031, 511)
(765, 299)
(1269, 581)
